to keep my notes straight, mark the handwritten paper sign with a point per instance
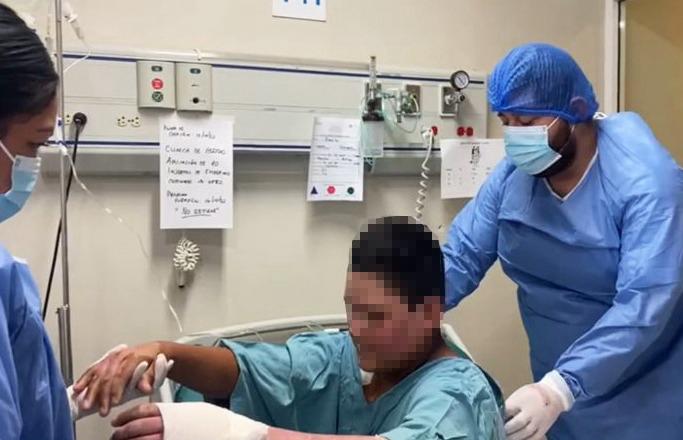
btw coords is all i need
(465, 165)
(335, 169)
(195, 172)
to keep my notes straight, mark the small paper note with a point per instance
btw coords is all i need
(335, 170)
(465, 165)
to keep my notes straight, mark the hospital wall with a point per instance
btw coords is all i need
(285, 257)
(653, 67)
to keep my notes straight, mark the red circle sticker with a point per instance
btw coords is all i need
(157, 83)
(331, 189)
(470, 131)
(461, 131)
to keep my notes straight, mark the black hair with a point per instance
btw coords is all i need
(404, 254)
(28, 80)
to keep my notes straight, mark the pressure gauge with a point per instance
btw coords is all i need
(460, 80)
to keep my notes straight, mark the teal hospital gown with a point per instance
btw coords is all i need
(313, 384)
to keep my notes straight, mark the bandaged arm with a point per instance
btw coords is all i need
(203, 421)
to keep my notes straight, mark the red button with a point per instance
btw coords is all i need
(331, 189)
(470, 131)
(461, 131)
(157, 84)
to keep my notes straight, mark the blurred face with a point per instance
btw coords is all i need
(23, 135)
(390, 335)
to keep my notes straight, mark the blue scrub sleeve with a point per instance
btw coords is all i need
(649, 287)
(472, 245)
(10, 413)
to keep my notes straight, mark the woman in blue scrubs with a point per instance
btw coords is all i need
(585, 215)
(33, 400)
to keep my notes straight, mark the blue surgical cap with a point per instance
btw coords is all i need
(540, 79)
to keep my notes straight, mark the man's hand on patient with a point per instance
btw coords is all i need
(141, 422)
(533, 409)
(182, 421)
(122, 374)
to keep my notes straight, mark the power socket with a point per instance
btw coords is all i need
(68, 119)
(129, 121)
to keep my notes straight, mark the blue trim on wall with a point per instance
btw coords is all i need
(276, 69)
(283, 147)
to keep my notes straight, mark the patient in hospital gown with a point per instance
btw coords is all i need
(392, 374)
(314, 383)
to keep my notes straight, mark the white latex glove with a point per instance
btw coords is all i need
(533, 409)
(203, 421)
(161, 368)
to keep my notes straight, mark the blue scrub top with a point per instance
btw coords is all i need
(600, 280)
(33, 400)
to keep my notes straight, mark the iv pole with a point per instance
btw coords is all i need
(63, 312)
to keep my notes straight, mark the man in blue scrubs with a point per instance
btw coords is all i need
(586, 216)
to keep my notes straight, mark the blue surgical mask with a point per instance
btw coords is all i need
(529, 148)
(25, 172)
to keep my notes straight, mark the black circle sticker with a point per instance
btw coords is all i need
(157, 96)
(350, 190)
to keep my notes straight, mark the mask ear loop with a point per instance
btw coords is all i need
(549, 126)
(9, 155)
(569, 138)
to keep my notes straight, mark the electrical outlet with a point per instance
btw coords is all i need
(129, 121)
(68, 119)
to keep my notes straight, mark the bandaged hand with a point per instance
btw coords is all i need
(182, 421)
(121, 375)
(533, 409)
